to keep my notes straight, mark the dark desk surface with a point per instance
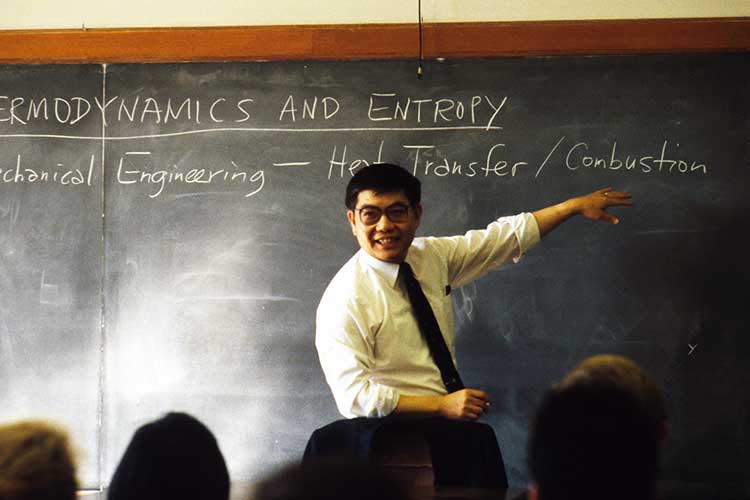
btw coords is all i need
(473, 494)
(243, 491)
(666, 491)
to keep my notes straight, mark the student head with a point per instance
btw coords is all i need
(384, 210)
(592, 440)
(330, 479)
(175, 457)
(36, 462)
(624, 373)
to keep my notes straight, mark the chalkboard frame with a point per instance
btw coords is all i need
(376, 41)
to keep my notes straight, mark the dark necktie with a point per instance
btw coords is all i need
(430, 329)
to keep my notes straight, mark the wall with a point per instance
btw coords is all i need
(50, 14)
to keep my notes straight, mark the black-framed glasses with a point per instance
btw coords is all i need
(369, 215)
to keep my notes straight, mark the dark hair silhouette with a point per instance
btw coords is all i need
(592, 440)
(175, 457)
(330, 479)
(624, 373)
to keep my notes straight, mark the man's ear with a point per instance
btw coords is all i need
(532, 492)
(418, 212)
(352, 221)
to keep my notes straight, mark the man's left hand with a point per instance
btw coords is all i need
(593, 206)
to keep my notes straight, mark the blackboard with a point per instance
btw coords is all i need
(168, 229)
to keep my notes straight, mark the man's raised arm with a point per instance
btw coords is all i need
(592, 206)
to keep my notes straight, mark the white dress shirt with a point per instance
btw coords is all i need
(368, 341)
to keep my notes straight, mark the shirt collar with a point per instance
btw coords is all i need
(388, 270)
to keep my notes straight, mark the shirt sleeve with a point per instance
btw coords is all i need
(347, 356)
(478, 252)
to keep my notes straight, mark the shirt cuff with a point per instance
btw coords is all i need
(376, 401)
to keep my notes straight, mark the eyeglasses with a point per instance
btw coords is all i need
(369, 215)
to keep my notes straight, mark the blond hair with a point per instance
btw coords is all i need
(36, 462)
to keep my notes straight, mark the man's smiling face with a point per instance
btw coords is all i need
(384, 239)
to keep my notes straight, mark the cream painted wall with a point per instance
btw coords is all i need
(49, 14)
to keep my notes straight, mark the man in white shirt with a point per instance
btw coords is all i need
(374, 357)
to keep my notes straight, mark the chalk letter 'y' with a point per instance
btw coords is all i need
(495, 109)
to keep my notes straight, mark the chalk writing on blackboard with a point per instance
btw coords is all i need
(581, 156)
(138, 170)
(578, 156)
(23, 173)
(382, 106)
(386, 113)
(391, 106)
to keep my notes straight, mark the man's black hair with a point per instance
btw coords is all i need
(592, 441)
(383, 178)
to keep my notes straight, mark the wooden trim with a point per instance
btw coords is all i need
(373, 41)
